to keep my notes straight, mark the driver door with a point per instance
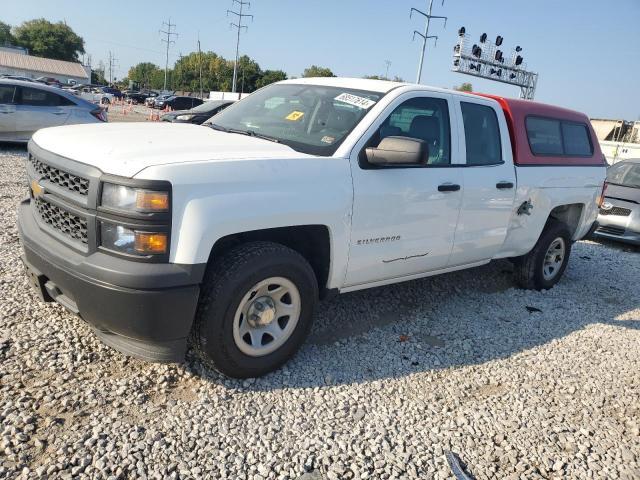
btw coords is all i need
(7, 112)
(405, 217)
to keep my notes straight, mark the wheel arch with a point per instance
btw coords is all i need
(312, 241)
(569, 214)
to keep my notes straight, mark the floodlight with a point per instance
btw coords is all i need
(476, 51)
(456, 48)
(483, 38)
(498, 55)
(519, 60)
(499, 40)
(512, 76)
(518, 48)
(461, 32)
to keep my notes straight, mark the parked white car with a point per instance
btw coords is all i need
(229, 235)
(28, 106)
(93, 94)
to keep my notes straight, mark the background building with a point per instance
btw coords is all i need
(17, 62)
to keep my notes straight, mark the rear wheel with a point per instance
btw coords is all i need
(255, 309)
(543, 266)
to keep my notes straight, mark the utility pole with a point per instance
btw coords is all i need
(239, 26)
(425, 36)
(169, 32)
(388, 64)
(112, 64)
(200, 61)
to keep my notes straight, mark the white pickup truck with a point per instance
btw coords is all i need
(228, 235)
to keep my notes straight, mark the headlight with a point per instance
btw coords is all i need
(184, 117)
(133, 242)
(120, 197)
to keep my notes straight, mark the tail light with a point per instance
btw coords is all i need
(601, 197)
(100, 114)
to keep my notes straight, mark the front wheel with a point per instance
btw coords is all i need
(255, 310)
(543, 266)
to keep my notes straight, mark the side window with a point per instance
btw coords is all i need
(576, 139)
(423, 118)
(481, 134)
(544, 135)
(39, 98)
(7, 93)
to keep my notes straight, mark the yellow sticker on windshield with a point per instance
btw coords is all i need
(295, 116)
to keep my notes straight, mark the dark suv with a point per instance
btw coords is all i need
(178, 103)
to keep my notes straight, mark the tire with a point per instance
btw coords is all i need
(231, 287)
(529, 269)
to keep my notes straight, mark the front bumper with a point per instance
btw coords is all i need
(141, 309)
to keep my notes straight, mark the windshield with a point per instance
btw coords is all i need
(624, 173)
(311, 119)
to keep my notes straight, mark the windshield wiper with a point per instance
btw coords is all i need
(248, 133)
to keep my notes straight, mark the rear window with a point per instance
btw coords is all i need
(558, 138)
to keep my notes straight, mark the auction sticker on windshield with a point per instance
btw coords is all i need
(294, 116)
(355, 100)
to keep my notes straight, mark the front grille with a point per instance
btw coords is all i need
(611, 230)
(61, 220)
(623, 212)
(71, 182)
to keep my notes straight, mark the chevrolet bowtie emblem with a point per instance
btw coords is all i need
(36, 189)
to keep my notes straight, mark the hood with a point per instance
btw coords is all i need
(629, 194)
(127, 148)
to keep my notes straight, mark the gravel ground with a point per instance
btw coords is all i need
(519, 384)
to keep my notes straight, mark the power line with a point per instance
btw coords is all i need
(239, 26)
(169, 33)
(425, 36)
(112, 64)
(200, 62)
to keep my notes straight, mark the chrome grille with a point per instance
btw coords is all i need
(623, 212)
(71, 182)
(611, 230)
(61, 220)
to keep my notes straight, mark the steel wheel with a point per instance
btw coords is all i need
(553, 259)
(266, 316)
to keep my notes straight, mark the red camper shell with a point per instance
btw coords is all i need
(547, 135)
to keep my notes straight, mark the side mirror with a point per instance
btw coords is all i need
(399, 151)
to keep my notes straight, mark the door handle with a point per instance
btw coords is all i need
(448, 187)
(504, 185)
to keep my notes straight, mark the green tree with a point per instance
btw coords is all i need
(315, 71)
(270, 76)
(465, 87)
(5, 34)
(50, 40)
(146, 74)
(97, 74)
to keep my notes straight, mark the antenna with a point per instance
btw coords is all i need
(425, 36)
(169, 32)
(239, 26)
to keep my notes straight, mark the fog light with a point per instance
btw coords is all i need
(150, 243)
(132, 242)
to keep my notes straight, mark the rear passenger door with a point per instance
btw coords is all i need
(7, 112)
(489, 182)
(39, 108)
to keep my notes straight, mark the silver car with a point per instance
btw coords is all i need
(619, 217)
(26, 107)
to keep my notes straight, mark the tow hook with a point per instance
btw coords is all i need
(525, 208)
